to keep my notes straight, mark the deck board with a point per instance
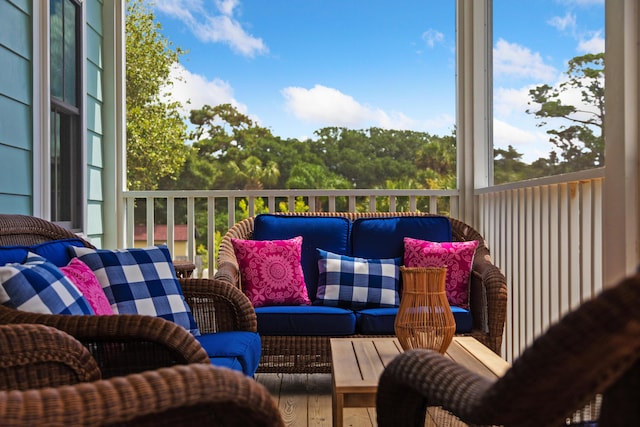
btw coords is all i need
(305, 400)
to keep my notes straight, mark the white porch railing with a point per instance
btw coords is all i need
(437, 201)
(545, 234)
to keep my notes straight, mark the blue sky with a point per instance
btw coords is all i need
(296, 66)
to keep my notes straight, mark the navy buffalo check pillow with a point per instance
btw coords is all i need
(357, 283)
(140, 281)
(38, 286)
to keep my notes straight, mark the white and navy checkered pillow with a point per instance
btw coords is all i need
(38, 286)
(357, 283)
(140, 281)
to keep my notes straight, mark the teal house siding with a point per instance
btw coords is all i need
(94, 73)
(16, 115)
(25, 111)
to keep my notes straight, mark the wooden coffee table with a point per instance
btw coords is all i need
(357, 364)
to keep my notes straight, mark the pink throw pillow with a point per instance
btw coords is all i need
(86, 281)
(456, 256)
(271, 271)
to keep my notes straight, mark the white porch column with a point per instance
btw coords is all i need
(621, 217)
(474, 125)
(115, 167)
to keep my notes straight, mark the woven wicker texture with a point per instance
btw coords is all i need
(64, 389)
(424, 318)
(35, 356)
(593, 350)
(303, 354)
(125, 344)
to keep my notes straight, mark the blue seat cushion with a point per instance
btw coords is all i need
(239, 350)
(328, 233)
(54, 251)
(384, 237)
(305, 320)
(379, 321)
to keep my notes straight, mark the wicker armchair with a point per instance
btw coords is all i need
(595, 349)
(488, 299)
(49, 378)
(126, 344)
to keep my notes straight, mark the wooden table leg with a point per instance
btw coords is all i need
(338, 408)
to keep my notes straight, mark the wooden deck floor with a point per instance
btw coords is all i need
(305, 400)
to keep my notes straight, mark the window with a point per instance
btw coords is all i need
(66, 136)
(548, 80)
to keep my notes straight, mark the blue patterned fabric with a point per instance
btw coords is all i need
(140, 281)
(384, 237)
(357, 283)
(39, 286)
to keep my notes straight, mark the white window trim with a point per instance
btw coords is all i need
(41, 198)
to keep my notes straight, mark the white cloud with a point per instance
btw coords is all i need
(324, 106)
(226, 6)
(593, 45)
(566, 23)
(209, 26)
(510, 101)
(532, 144)
(511, 59)
(328, 106)
(432, 37)
(582, 2)
(194, 91)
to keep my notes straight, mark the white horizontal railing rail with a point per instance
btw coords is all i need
(546, 236)
(208, 202)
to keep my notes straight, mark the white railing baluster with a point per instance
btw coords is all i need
(171, 224)
(150, 220)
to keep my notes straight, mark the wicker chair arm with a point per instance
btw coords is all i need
(121, 343)
(495, 285)
(228, 269)
(593, 350)
(218, 306)
(420, 378)
(36, 356)
(177, 396)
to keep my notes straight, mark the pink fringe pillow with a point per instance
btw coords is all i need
(271, 271)
(87, 283)
(456, 256)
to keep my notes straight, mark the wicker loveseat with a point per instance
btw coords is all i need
(125, 344)
(295, 352)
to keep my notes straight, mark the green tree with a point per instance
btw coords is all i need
(236, 146)
(579, 137)
(508, 165)
(366, 158)
(254, 173)
(155, 129)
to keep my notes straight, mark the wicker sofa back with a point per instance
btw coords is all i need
(311, 353)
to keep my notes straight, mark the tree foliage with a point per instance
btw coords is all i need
(156, 132)
(576, 109)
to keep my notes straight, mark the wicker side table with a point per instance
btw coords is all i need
(184, 269)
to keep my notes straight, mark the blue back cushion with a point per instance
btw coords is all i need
(384, 237)
(54, 251)
(328, 233)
